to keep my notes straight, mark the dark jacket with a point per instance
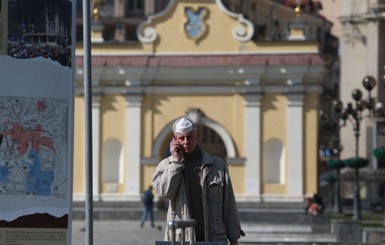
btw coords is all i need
(148, 198)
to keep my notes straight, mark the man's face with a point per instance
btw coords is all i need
(189, 141)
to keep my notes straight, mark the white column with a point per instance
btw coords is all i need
(132, 146)
(295, 127)
(119, 8)
(96, 146)
(253, 146)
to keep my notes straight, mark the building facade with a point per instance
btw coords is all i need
(360, 26)
(256, 97)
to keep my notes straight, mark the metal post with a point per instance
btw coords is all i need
(357, 201)
(383, 207)
(338, 199)
(88, 119)
(183, 239)
(337, 204)
(172, 226)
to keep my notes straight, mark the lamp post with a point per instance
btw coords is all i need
(379, 153)
(354, 113)
(334, 148)
(337, 164)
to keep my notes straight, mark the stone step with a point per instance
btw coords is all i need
(296, 207)
(274, 215)
(245, 215)
(288, 238)
(284, 233)
(270, 233)
(276, 228)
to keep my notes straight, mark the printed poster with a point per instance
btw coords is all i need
(36, 121)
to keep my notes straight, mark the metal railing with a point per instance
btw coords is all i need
(181, 224)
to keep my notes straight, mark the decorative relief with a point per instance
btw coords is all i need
(195, 26)
(148, 35)
(245, 29)
(146, 32)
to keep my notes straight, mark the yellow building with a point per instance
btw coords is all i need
(256, 101)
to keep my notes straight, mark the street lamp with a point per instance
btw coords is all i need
(354, 113)
(379, 153)
(334, 148)
(337, 164)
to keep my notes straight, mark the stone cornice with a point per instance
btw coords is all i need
(206, 89)
(203, 60)
(203, 67)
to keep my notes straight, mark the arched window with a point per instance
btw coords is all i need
(212, 142)
(273, 161)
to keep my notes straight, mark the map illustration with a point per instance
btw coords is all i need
(33, 150)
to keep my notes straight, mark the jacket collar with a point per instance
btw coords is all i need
(206, 158)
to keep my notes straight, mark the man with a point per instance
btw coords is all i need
(198, 186)
(148, 203)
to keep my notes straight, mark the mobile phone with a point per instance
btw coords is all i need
(177, 149)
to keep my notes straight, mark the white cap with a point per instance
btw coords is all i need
(183, 125)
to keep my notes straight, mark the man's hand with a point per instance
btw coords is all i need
(234, 243)
(176, 150)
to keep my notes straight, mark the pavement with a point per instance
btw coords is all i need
(118, 232)
(127, 232)
(121, 226)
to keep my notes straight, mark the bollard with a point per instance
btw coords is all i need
(349, 231)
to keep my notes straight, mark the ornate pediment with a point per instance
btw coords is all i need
(195, 26)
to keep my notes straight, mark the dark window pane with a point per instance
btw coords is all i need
(139, 4)
(212, 142)
(131, 4)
